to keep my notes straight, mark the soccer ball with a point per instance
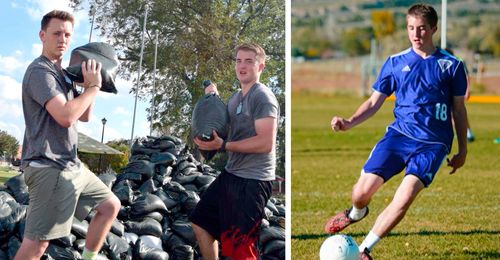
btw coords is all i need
(339, 247)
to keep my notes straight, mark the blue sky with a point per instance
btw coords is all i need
(19, 45)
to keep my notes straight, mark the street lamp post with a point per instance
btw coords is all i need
(102, 140)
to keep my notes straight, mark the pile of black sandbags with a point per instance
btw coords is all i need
(158, 189)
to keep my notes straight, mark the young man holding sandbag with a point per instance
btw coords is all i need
(58, 183)
(232, 208)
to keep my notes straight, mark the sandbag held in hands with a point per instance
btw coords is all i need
(101, 52)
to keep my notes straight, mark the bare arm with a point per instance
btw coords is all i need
(365, 111)
(66, 113)
(263, 142)
(459, 114)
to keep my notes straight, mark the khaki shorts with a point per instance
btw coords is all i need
(55, 196)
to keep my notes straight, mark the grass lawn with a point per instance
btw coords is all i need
(457, 217)
(6, 173)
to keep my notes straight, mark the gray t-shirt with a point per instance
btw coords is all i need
(258, 103)
(45, 141)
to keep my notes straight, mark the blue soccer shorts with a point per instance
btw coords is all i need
(396, 151)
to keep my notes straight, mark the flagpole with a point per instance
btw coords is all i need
(139, 73)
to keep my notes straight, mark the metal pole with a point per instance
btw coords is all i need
(102, 141)
(139, 74)
(444, 7)
(154, 86)
(92, 23)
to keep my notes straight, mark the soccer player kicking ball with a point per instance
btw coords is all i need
(429, 85)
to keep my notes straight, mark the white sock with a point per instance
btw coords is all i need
(370, 240)
(469, 133)
(89, 255)
(357, 214)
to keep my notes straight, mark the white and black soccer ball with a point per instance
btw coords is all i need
(339, 247)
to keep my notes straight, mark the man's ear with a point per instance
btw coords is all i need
(41, 34)
(262, 66)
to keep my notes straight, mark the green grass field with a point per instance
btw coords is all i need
(457, 217)
(6, 173)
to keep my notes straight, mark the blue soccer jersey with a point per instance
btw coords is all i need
(424, 89)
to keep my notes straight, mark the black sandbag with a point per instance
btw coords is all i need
(133, 177)
(56, 252)
(79, 228)
(12, 247)
(209, 113)
(274, 246)
(203, 188)
(172, 138)
(267, 213)
(21, 225)
(164, 170)
(143, 167)
(117, 248)
(148, 186)
(130, 237)
(117, 228)
(153, 215)
(184, 252)
(141, 149)
(163, 145)
(203, 180)
(18, 188)
(167, 199)
(185, 231)
(123, 191)
(123, 213)
(272, 208)
(139, 157)
(165, 158)
(162, 179)
(147, 203)
(152, 241)
(185, 164)
(143, 252)
(271, 233)
(66, 241)
(101, 52)
(277, 221)
(281, 210)
(11, 213)
(182, 179)
(146, 227)
(191, 187)
(170, 240)
(79, 244)
(190, 201)
(108, 179)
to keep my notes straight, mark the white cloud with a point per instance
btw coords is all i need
(10, 109)
(13, 130)
(121, 111)
(123, 86)
(36, 49)
(10, 64)
(110, 133)
(38, 8)
(10, 89)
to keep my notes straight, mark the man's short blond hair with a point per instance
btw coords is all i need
(259, 51)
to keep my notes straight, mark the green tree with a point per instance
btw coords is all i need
(383, 23)
(356, 41)
(8, 145)
(196, 42)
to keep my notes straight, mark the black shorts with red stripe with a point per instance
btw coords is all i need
(231, 210)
